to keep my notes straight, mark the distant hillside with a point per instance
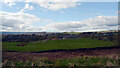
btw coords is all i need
(12, 32)
(18, 32)
(55, 32)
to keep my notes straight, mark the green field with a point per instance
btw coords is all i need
(56, 44)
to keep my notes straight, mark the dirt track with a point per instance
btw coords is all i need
(19, 56)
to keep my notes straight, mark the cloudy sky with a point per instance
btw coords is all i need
(58, 16)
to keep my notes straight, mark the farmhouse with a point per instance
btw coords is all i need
(54, 38)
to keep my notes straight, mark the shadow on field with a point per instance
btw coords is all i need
(80, 49)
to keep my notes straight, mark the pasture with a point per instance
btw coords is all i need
(56, 44)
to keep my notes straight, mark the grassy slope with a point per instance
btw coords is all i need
(57, 44)
(90, 61)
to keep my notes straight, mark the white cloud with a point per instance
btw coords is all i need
(9, 2)
(92, 24)
(47, 4)
(18, 22)
(27, 6)
(55, 4)
(23, 17)
(23, 22)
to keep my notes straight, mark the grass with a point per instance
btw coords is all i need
(56, 44)
(90, 61)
